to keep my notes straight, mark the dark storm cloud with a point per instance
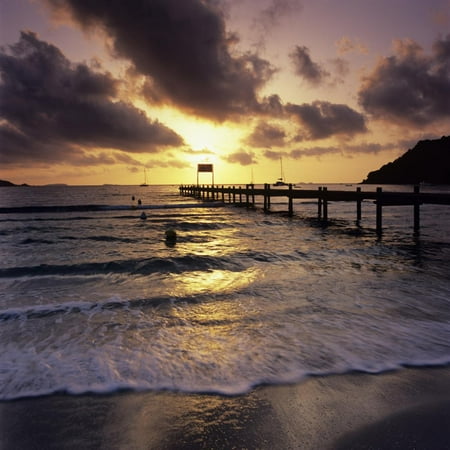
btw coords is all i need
(410, 87)
(266, 135)
(242, 157)
(272, 106)
(323, 119)
(51, 107)
(183, 47)
(306, 68)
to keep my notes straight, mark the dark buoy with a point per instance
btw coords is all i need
(171, 236)
(143, 215)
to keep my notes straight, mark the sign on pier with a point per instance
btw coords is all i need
(208, 168)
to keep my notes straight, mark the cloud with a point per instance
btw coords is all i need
(242, 157)
(270, 16)
(341, 68)
(351, 150)
(347, 150)
(441, 18)
(167, 163)
(306, 68)
(410, 87)
(266, 135)
(348, 45)
(313, 151)
(323, 119)
(201, 152)
(272, 106)
(51, 108)
(270, 154)
(82, 158)
(184, 50)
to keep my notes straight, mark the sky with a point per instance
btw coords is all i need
(322, 91)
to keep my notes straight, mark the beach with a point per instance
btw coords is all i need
(402, 409)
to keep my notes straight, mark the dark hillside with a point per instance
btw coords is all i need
(6, 183)
(427, 162)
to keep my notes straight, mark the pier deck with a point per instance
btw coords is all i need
(246, 196)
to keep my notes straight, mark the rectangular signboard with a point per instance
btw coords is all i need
(205, 168)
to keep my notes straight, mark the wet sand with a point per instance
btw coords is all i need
(404, 409)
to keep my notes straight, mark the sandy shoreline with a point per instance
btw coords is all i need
(404, 409)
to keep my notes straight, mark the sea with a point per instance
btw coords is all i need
(95, 299)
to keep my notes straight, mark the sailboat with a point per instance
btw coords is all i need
(280, 181)
(145, 178)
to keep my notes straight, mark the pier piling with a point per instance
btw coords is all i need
(323, 196)
(416, 209)
(325, 204)
(358, 205)
(290, 202)
(379, 203)
(319, 204)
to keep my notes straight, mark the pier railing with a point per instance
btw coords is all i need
(245, 196)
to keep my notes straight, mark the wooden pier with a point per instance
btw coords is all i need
(245, 196)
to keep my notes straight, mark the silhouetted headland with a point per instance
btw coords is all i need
(4, 183)
(427, 162)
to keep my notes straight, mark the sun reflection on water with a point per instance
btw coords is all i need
(212, 282)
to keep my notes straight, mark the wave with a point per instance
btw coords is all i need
(42, 311)
(139, 266)
(107, 384)
(29, 241)
(100, 208)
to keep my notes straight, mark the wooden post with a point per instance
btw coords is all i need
(253, 194)
(265, 207)
(358, 205)
(240, 195)
(416, 209)
(379, 202)
(325, 204)
(290, 202)
(247, 199)
(234, 195)
(319, 204)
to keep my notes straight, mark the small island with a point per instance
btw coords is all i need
(428, 162)
(4, 183)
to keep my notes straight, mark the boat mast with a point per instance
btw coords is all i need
(145, 178)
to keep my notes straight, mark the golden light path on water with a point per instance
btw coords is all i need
(212, 282)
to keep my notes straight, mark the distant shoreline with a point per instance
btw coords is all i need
(5, 183)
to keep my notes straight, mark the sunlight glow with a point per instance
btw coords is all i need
(213, 282)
